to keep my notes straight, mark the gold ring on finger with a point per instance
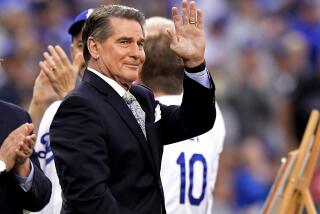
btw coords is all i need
(54, 68)
(192, 21)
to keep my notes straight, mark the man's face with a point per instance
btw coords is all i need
(121, 56)
(76, 49)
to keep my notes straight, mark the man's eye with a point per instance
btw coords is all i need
(124, 42)
(141, 45)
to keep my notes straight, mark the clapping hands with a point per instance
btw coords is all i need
(56, 79)
(59, 70)
(17, 148)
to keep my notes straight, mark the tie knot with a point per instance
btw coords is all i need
(128, 97)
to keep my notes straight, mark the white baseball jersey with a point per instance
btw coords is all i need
(189, 168)
(45, 157)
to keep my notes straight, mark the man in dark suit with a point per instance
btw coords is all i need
(107, 136)
(22, 183)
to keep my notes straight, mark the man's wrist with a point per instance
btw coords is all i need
(36, 106)
(195, 69)
(62, 95)
(37, 102)
(24, 169)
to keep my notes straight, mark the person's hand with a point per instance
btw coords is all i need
(23, 152)
(43, 96)
(11, 146)
(61, 73)
(25, 149)
(43, 93)
(188, 39)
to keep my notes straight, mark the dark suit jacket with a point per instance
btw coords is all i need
(12, 197)
(104, 163)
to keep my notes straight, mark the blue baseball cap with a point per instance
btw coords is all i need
(78, 22)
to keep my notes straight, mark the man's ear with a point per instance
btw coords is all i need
(93, 47)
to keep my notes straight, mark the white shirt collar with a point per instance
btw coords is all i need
(116, 86)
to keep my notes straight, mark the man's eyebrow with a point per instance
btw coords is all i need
(130, 39)
(125, 38)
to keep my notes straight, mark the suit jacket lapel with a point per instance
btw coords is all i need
(119, 105)
(150, 129)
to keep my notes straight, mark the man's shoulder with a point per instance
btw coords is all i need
(11, 117)
(142, 90)
(83, 90)
(10, 107)
(144, 95)
(13, 114)
(83, 97)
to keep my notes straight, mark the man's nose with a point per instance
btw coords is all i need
(136, 51)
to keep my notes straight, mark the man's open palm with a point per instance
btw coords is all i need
(188, 39)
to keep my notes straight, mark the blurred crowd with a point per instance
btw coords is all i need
(264, 56)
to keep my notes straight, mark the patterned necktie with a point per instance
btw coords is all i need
(136, 110)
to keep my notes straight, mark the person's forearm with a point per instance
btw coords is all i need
(36, 195)
(24, 169)
(36, 111)
(24, 175)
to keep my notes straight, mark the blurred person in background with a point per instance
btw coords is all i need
(224, 192)
(253, 176)
(188, 168)
(57, 78)
(247, 92)
(290, 55)
(306, 98)
(21, 47)
(307, 22)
